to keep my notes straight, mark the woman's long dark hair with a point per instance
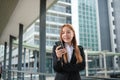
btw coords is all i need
(74, 42)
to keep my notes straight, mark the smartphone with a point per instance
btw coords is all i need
(59, 43)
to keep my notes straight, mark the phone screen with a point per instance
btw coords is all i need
(59, 43)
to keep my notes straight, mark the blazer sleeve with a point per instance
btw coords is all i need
(57, 64)
(69, 67)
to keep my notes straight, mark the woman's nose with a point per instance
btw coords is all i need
(65, 34)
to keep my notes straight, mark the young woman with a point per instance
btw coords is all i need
(68, 58)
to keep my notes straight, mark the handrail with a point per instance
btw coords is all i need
(32, 72)
(92, 77)
(26, 45)
(29, 46)
(53, 74)
(101, 53)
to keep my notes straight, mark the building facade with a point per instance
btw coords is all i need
(89, 35)
(109, 28)
(116, 15)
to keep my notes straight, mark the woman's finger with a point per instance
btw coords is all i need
(58, 47)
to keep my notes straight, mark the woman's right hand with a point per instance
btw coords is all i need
(60, 51)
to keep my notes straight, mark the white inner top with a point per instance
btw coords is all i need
(69, 51)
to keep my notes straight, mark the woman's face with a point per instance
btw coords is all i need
(67, 35)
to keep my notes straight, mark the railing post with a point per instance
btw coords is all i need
(29, 59)
(86, 68)
(24, 62)
(100, 60)
(31, 76)
(35, 53)
(35, 60)
(13, 75)
(105, 67)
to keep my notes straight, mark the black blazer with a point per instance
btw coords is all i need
(68, 71)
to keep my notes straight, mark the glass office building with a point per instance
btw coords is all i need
(88, 24)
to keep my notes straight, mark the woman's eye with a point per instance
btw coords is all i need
(62, 32)
(68, 32)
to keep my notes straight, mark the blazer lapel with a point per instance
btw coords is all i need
(73, 58)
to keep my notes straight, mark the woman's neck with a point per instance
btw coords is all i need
(69, 43)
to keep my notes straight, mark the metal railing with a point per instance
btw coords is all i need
(29, 75)
(101, 68)
(98, 72)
